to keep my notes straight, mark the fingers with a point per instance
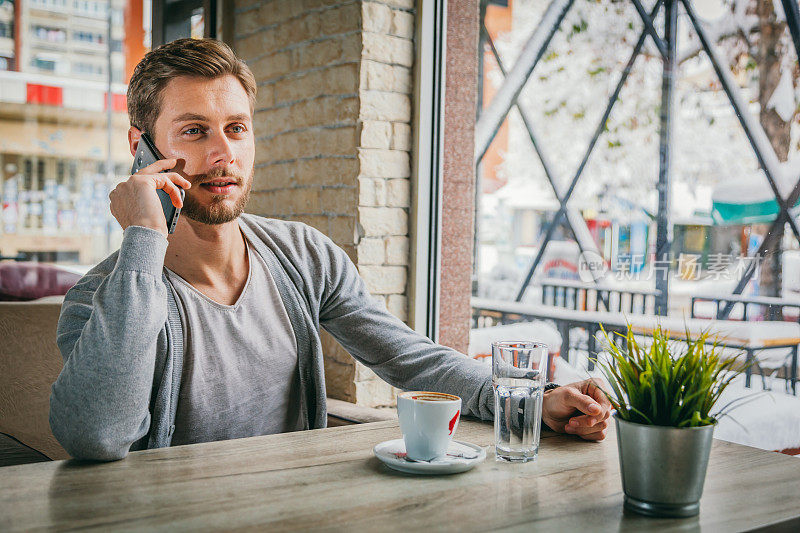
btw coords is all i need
(178, 179)
(582, 402)
(587, 429)
(174, 177)
(588, 420)
(600, 435)
(163, 181)
(159, 166)
(592, 388)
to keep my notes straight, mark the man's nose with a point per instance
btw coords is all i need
(220, 151)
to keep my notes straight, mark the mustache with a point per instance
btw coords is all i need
(216, 174)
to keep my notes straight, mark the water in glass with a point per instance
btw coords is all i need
(518, 379)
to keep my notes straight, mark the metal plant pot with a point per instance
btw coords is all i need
(663, 468)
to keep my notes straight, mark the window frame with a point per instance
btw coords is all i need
(426, 215)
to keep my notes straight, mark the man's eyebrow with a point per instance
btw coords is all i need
(194, 116)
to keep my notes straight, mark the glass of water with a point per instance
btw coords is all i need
(519, 374)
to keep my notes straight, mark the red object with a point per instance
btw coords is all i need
(133, 42)
(453, 421)
(44, 94)
(119, 102)
(21, 281)
(560, 263)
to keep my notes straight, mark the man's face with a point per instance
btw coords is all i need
(207, 123)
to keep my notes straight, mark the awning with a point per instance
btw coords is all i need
(745, 213)
(747, 200)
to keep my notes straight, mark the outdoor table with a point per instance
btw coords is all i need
(749, 337)
(329, 479)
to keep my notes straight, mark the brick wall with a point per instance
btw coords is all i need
(333, 136)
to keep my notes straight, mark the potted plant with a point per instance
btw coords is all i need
(663, 395)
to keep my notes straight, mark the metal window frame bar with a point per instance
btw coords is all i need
(157, 23)
(598, 131)
(759, 141)
(495, 114)
(426, 215)
(580, 233)
(162, 14)
(767, 158)
(210, 19)
(663, 227)
(648, 26)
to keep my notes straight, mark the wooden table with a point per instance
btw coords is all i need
(328, 479)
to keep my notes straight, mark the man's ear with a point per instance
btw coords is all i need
(134, 134)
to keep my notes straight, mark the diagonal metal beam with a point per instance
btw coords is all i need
(759, 141)
(765, 154)
(792, 12)
(494, 115)
(528, 122)
(600, 128)
(576, 222)
(648, 26)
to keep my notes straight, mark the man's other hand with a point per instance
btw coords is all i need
(579, 408)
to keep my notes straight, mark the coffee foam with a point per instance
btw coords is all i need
(425, 396)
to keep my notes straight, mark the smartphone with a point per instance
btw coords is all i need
(147, 154)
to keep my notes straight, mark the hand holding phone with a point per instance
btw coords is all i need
(146, 155)
(133, 202)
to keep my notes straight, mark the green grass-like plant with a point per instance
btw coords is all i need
(669, 383)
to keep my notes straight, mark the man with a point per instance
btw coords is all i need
(212, 332)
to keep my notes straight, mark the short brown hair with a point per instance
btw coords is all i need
(204, 58)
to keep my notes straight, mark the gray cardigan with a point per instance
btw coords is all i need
(120, 333)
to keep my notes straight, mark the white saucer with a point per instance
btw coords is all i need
(461, 456)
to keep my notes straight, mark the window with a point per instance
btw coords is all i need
(44, 64)
(88, 8)
(91, 69)
(117, 17)
(6, 29)
(596, 171)
(53, 183)
(174, 19)
(90, 37)
(49, 34)
(428, 122)
(562, 101)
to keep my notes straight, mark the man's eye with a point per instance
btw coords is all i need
(193, 131)
(237, 128)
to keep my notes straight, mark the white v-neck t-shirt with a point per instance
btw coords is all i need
(240, 374)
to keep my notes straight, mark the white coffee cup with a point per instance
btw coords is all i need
(428, 421)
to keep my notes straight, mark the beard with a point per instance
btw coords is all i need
(216, 212)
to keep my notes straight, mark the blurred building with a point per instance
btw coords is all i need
(61, 150)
